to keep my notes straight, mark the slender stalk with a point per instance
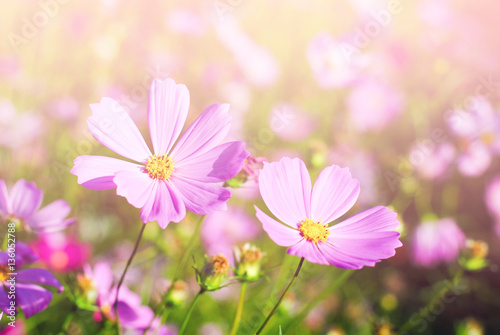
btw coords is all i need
(239, 309)
(282, 297)
(182, 264)
(188, 315)
(115, 307)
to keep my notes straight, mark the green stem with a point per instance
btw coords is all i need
(182, 264)
(115, 307)
(424, 312)
(188, 315)
(282, 297)
(329, 290)
(239, 309)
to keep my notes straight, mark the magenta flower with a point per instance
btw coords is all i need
(23, 204)
(362, 240)
(131, 313)
(29, 295)
(174, 178)
(437, 241)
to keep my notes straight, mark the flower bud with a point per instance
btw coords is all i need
(474, 255)
(214, 273)
(248, 261)
(178, 294)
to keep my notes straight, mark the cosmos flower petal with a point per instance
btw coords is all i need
(97, 172)
(136, 187)
(164, 205)
(5, 205)
(375, 219)
(219, 164)
(334, 193)
(309, 251)
(285, 187)
(201, 198)
(113, 127)
(39, 276)
(168, 107)
(26, 198)
(282, 235)
(207, 131)
(131, 313)
(341, 258)
(51, 217)
(103, 278)
(32, 298)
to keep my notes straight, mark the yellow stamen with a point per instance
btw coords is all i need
(160, 166)
(314, 231)
(4, 269)
(488, 138)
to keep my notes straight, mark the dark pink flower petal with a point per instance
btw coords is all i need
(5, 205)
(165, 204)
(281, 234)
(112, 127)
(39, 276)
(308, 250)
(207, 131)
(97, 172)
(333, 194)
(51, 218)
(131, 313)
(32, 298)
(285, 187)
(168, 107)
(219, 164)
(26, 198)
(201, 198)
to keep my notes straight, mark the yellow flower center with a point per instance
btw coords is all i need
(4, 269)
(220, 264)
(314, 231)
(160, 166)
(488, 138)
(86, 284)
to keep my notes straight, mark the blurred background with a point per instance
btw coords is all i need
(404, 93)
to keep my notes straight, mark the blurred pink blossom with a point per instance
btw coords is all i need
(290, 123)
(474, 160)
(374, 104)
(18, 130)
(437, 241)
(257, 64)
(493, 201)
(60, 252)
(187, 22)
(223, 230)
(432, 163)
(335, 62)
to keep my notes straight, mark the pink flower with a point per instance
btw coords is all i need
(433, 162)
(373, 105)
(437, 241)
(335, 62)
(174, 178)
(290, 123)
(362, 240)
(23, 203)
(493, 201)
(60, 252)
(222, 231)
(131, 313)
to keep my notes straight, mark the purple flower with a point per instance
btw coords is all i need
(28, 294)
(174, 178)
(131, 313)
(362, 240)
(23, 203)
(437, 241)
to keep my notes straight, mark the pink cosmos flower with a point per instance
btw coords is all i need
(174, 178)
(433, 162)
(131, 313)
(290, 123)
(362, 240)
(23, 203)
(493, 201)
(437, 241)
(31, 297)
(374, 104)
(60, 252)
(222, 231)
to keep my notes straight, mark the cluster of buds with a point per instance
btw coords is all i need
(248, 261)
(213, 274)
(474, 255)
